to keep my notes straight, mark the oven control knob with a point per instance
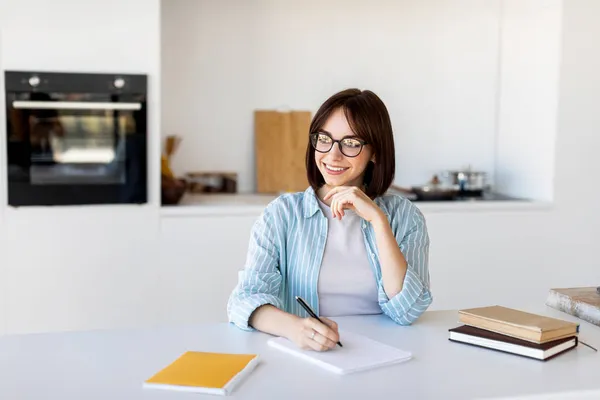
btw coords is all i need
(119, 83)
(34, 81)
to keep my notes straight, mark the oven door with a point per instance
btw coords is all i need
(76, 148)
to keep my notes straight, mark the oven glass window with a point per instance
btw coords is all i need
(79, 139)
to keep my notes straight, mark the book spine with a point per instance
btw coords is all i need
(578, 309)
(504, 328)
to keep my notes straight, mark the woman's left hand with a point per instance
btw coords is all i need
(351, 197)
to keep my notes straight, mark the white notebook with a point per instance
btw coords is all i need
(358, 354)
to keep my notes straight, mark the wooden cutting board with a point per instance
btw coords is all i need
(280, 148)
(583, 302)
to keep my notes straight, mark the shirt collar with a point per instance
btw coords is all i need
(310, 205)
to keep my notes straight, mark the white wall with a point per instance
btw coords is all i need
(528, 97)
(578, 126)
(73, 267)
(434, 63)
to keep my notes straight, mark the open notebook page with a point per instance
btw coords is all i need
(359, 353)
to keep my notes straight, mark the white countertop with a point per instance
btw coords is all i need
(253, 204)
(218, 204)
(114, 365)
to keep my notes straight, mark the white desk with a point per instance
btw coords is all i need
(114, 364)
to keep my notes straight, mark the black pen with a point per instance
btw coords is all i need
(309, 310)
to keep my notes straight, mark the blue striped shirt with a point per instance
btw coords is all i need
(286, 248)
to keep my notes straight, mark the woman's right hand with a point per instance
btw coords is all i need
(310, 334)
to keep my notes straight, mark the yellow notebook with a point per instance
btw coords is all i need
(214, 373)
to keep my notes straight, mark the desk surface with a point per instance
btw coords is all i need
(114, 364)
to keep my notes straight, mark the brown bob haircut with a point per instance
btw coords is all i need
(369, 120)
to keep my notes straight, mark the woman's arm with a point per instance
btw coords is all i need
(256, 301)
(393, 263)
(260, 281)
(270, 319)
(404, 266)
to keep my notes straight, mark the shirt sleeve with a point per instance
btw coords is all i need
(260, 280)
(415, 297)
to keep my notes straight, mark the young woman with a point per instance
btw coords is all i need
(343, 245)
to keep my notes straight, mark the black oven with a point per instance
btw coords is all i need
(76, 138)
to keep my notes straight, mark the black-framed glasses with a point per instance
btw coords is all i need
(349, 146)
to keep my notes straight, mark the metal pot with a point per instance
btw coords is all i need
(466, 180)
(434, 190)
(434, 193)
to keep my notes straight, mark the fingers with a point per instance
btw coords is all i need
(342, 197)
(318, 336)
(332, 192)
(338, 190)
(335, 206)
(332, 324)
(324, 330)
(336, 210)
(341, 201)
(318, 342)
(313, 345)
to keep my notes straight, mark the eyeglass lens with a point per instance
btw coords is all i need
(323, 143)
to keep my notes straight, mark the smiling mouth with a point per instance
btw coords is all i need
(334, 169)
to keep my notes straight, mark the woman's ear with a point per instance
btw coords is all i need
(373, 159)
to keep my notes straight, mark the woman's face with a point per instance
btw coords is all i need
(336, 168)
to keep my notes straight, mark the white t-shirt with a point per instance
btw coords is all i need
(346, 283)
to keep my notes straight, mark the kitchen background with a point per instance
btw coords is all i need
(467, 83)
(115, 266)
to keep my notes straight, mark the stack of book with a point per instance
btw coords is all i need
(581, 302)
(516, 332)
